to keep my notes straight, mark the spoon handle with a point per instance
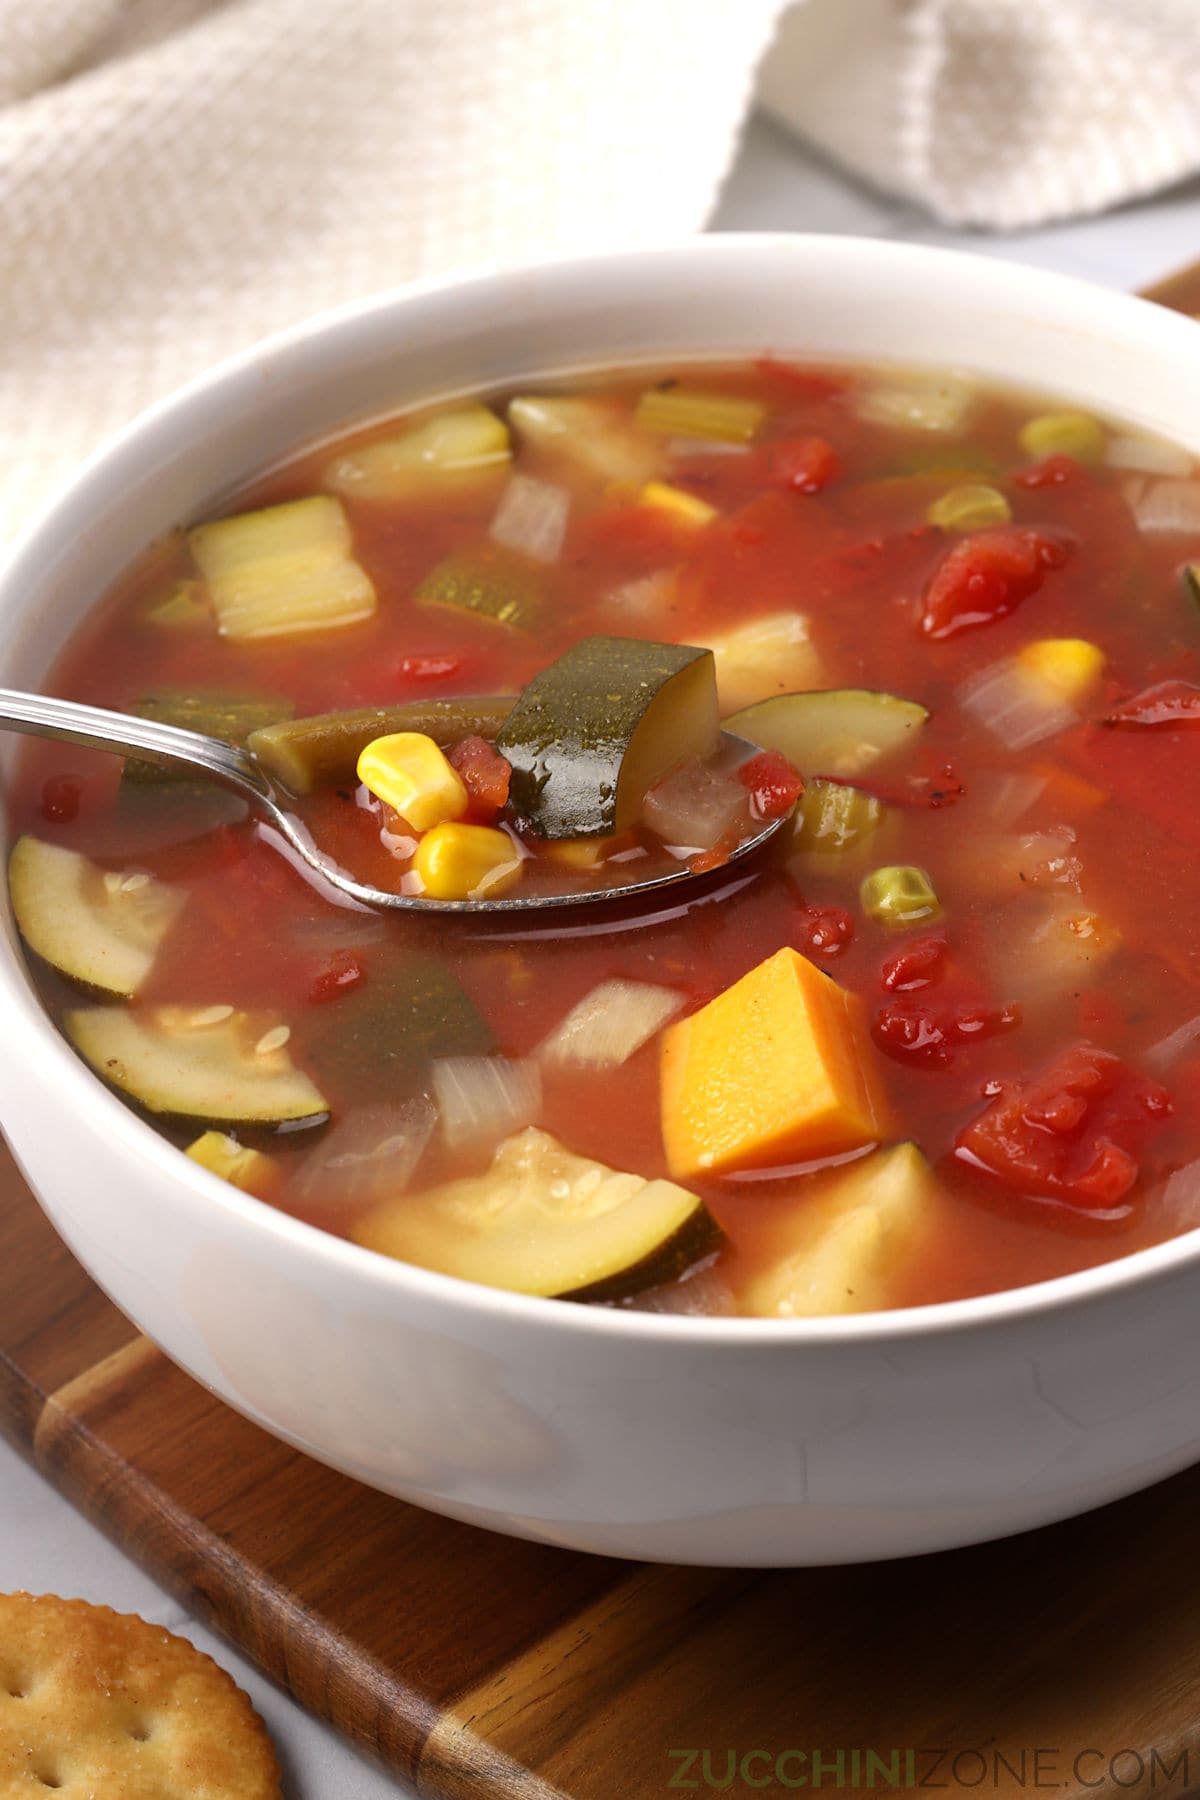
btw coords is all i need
(127, 735)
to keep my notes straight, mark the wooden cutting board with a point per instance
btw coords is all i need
(481, 1666)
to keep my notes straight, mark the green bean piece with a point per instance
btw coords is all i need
(325, 748)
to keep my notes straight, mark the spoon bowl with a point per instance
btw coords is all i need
(229, 766)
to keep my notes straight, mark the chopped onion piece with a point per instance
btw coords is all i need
(1181, 1197)
(1169, 507)
(368, 1156)
(1169, 1049)
(481, 1099)
(694, 806)
(1014, 709)
(702, 1294)
(646, 598)
(1003, 799)
(532, 518)
(1150, 456)
(610, 1024)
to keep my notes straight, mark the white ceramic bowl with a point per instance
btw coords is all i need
(714, 1441)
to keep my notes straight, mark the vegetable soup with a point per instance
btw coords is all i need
(939, 1036)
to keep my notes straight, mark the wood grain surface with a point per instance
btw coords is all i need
(1065, 1659)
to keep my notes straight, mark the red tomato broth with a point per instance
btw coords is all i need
(851, 549)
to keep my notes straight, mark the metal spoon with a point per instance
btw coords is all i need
(231, 767)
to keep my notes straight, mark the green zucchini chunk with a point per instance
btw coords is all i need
(544, 1221)
(209, 1064)
(325, 747)
(831, 731)
(594, 731)
(233, 717)
(98, 927)
(487, 586)
(1191, 581)
(387, 1032)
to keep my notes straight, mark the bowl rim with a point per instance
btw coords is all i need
(52, 1062)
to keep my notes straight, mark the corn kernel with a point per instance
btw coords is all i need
(1065, 667)
(1074, 434)
(686, 508)
(578, 853)
(408, 772)
(233, 1162)
(900, 895)
(466, 862)
(969, 506)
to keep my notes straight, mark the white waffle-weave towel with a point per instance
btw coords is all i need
(178, 177)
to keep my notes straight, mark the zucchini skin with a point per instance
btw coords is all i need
(568, 738)
(699, 1236)
(387, 1032)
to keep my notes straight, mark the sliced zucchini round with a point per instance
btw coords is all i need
(206, 1063)
(98, 927)
(831, 731)
(544, 1221)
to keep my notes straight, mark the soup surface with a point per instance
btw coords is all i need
(940, 1037)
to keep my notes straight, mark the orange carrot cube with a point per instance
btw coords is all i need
(777, 1069)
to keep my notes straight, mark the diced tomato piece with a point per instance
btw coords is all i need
(705, 861)
(485, 776)
(807, 384)
(1168, 703)
(941, 789)
(1072, 1133)
(1053, 471)
(827, 930)
(60, 799)
(986, 576)
(345, 971)
(929, 1032)
(917, 964)
(775, 786)
(429, 667)
(804, 464)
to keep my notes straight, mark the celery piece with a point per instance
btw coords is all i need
(485, 587)
(466, 440)
(325, 747)
(969, 506)
(184, 608)
(588, 432)
(229, 716)
(832, 817)
(1074, 434)
(689, 413)
(284, 569)
(899, 895)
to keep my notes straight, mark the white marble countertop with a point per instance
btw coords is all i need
(775, 185)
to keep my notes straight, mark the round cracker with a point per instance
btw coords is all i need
(99, 1703)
